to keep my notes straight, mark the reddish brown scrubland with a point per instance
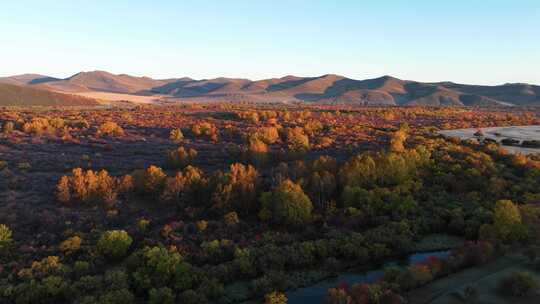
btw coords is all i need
(224, 203)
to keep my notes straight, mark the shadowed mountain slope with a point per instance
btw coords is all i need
(329, 88)
(14, 95)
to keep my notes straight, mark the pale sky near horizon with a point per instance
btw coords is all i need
(467, 41)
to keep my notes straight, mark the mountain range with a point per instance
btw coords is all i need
(326, 89)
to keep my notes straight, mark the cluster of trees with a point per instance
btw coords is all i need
(518, 284)
(302, 170)
(297, 140)
(181, 157)
(37, 126)
(368, 187)
(507, 225)
(110, 128)
(92, 187)
(396, 281)
(155, 273)
(176, 135)
(41, 125)
(205, 129)
(234, 191)
(286, 205)
(5, 236)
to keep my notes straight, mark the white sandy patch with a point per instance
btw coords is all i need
(519, 133)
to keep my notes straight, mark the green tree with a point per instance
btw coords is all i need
(121, 296)
(159, 267)
(5, 236)
(288, 204)
(162, 295)
(507, 221)
(114, 243)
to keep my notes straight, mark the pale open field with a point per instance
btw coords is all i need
(519, 133)
(105, 97)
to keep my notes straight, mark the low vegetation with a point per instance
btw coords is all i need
(222, 203)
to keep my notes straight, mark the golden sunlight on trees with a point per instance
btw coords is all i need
(110, 129)
(62, 190)
(397, 140)
(237, 191)
(150, 181)
(287, 189)
(181, 157)
(296, 139)
(88, 187)
(176, 135)
(268, 135)
(257, 152)
(71, 245)
(185, 187)
(205, 129)
(275, 298)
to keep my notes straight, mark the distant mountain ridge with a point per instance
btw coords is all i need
(333, 89)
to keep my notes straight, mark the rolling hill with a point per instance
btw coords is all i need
(103, 82)
(330, 88)
(16, 95)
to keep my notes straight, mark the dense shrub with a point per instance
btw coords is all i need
(275, 298)
(121, 296)
(288, 204)
(156, 266)
(71, 245)
(110, 129)
(181, 157)
(162, 295)
(518, 284)
(237, 190)
(89, 187)
(5, 236)
(296, 139)
(176, 135)
(114, 243)
(150, 181)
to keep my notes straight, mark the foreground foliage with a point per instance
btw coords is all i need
(256, 200)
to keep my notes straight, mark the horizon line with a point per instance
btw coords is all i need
(260, 79)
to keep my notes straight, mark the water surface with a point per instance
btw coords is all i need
(317, 293)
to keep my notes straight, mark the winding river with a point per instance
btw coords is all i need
(317, 293)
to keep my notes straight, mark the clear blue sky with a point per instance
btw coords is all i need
(469, 41)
